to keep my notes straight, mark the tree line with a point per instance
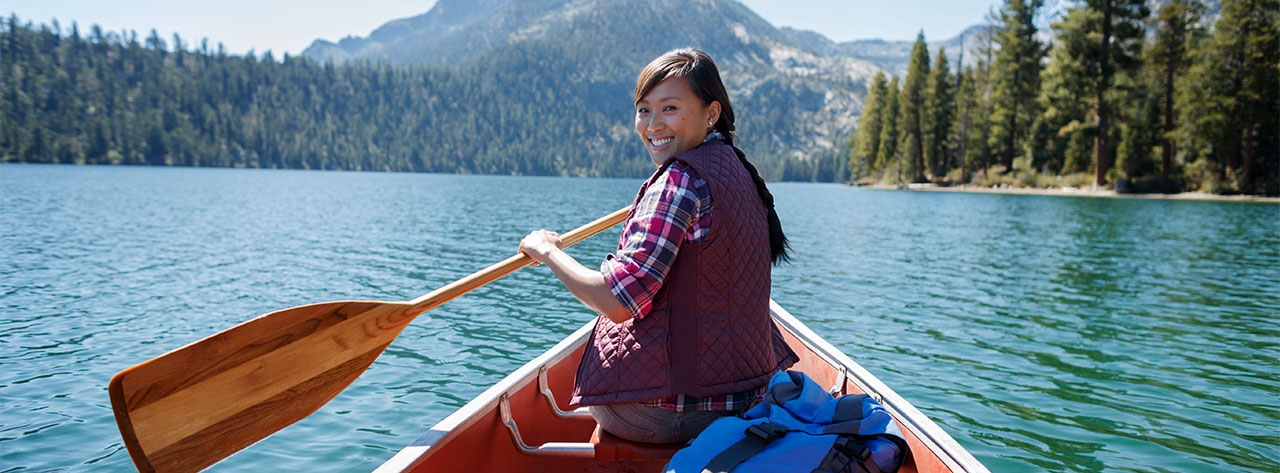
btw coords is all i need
(101, 97)
(1124, 96)
(111, 98)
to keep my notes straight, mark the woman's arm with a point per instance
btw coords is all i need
(587, 285)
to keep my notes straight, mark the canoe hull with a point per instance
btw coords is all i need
(474, 438)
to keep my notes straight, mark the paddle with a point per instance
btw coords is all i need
(189, 408)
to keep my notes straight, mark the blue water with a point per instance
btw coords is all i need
(1043, 333)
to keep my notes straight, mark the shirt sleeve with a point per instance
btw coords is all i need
(662, 221)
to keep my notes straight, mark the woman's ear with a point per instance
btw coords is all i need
(713, 112)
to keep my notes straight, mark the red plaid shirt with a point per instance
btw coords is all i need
(675, 209)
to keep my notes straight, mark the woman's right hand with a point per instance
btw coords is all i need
(540, 244)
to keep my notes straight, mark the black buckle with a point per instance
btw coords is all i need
(766, 432)
(853, 447)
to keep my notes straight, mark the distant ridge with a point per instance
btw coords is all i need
(811, 99)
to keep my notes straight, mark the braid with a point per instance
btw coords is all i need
(778, 244)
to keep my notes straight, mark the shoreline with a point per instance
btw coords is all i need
(1078, 192)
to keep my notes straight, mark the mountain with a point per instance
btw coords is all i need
(890, 56)
(794, 104)
(797, 93)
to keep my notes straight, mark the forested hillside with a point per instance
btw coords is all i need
(105, 98)
(549, 95)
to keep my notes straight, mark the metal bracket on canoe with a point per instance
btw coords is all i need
(837, 389)
(549, 449)
(544, 386)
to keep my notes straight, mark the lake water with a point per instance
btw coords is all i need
(1043, 333)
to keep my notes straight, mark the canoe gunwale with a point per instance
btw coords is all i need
(467, 415)
(951, 453)
(955, 456)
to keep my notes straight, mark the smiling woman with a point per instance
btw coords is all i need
(662, 362)
(670, 118)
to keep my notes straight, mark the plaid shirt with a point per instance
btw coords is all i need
(674, 209)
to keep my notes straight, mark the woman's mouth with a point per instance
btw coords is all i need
(659, 143)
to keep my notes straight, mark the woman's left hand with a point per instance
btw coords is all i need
(540, 244)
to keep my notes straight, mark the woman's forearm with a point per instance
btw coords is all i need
(587, 285)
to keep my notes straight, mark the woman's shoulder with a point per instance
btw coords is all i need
(682, 174)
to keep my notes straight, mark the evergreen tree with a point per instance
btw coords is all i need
(1167, 59)
(966, 99)
(912, 111)
(1139, 130)
(865, 145)
(1016, 75)
(1119, 35)
(978, 141)
(940, 105)
(889, 127)
(1234, 95)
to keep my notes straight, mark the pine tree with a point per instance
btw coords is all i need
(1167, 59)
(889, 127)
(966, 105)
(1016, 75)
(866, 142)
(912, 111)
(1138, 128)
(940, 105)
(978, 140)
(1234, 94)
(1062, 136)
(1119, 31)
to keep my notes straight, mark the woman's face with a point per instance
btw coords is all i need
(671, 119)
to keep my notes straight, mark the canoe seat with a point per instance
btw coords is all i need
(610, 448)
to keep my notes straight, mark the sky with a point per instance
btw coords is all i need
(291, 25)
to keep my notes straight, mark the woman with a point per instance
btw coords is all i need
(684, 335)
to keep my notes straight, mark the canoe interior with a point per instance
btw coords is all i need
(474, 439)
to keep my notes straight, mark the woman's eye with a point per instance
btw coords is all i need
(641, 111)
(669, 108)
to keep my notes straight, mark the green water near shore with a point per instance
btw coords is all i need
(1043, 333)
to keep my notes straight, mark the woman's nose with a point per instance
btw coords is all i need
(656, 122)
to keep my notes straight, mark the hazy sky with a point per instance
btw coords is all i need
(291, 25)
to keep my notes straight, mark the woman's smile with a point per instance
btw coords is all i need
(671, 119)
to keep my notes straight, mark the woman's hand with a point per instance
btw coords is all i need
(587, 285)
(540, 244)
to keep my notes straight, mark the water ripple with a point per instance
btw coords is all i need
(1045, 334)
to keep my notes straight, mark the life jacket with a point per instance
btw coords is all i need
(798, 427)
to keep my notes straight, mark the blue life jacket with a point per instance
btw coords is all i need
(798, 427)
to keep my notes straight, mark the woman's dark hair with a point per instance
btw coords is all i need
(704, 77)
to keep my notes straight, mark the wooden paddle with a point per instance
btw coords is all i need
(189, 408)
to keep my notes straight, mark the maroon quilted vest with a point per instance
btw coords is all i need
(711, 316)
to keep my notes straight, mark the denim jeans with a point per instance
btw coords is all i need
(639, 423)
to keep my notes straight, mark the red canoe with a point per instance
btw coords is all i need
(520, 424)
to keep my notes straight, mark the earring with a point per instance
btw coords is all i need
(711, 123)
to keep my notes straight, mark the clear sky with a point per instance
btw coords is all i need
(291, 25)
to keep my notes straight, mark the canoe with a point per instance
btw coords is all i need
(523, 423)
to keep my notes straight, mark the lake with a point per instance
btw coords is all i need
(1044, 333)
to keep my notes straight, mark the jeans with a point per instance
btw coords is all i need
(640, 423)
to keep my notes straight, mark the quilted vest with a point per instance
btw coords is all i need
(709, 332)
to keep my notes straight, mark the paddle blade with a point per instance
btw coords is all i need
(191, 407)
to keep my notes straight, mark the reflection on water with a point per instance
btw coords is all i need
(1043, 333)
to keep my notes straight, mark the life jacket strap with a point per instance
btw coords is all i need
(758, 436)
(848, 454)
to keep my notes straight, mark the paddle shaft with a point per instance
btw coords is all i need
(492, 273)
(191, 407)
